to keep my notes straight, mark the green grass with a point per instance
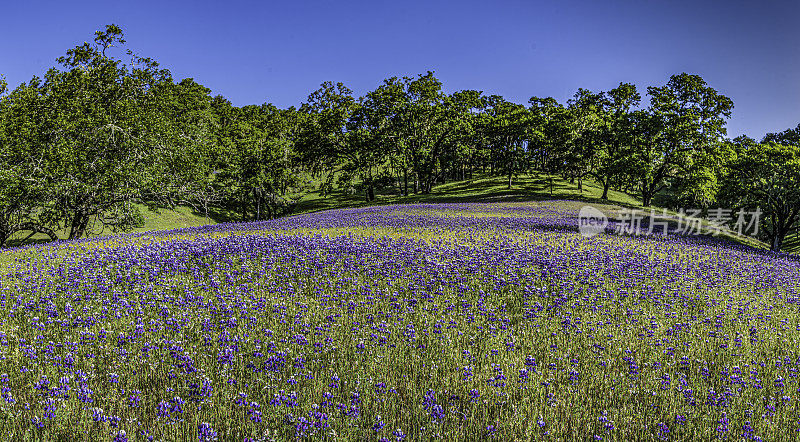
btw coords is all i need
(533, 187)
(159, 219)
(792, 244)
(482, 189)
(169, 219)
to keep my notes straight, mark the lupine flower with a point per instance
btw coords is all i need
(205, 433)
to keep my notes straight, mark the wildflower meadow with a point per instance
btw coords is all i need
(494, 321)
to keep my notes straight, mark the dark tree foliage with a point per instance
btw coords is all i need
(789, 137)
(766, 177)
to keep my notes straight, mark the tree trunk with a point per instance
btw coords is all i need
(78, 227)
(646, 198)
(777, 241)
(397, 183)
(37, 229)
(606, 185)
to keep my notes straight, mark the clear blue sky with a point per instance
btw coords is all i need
(261, 51)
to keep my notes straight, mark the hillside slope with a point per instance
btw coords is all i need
(536, 187)
(451, 321)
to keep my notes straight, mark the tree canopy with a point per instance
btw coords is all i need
(95, 138)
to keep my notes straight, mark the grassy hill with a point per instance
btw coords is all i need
(482, 189)
(792, 244)
(535, 187)
(160, 219)
(453, 322)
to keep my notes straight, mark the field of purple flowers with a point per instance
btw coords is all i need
(451, 321)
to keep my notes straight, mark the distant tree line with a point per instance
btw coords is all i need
(81, 147)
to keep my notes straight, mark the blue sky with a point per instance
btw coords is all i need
(261, 51)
